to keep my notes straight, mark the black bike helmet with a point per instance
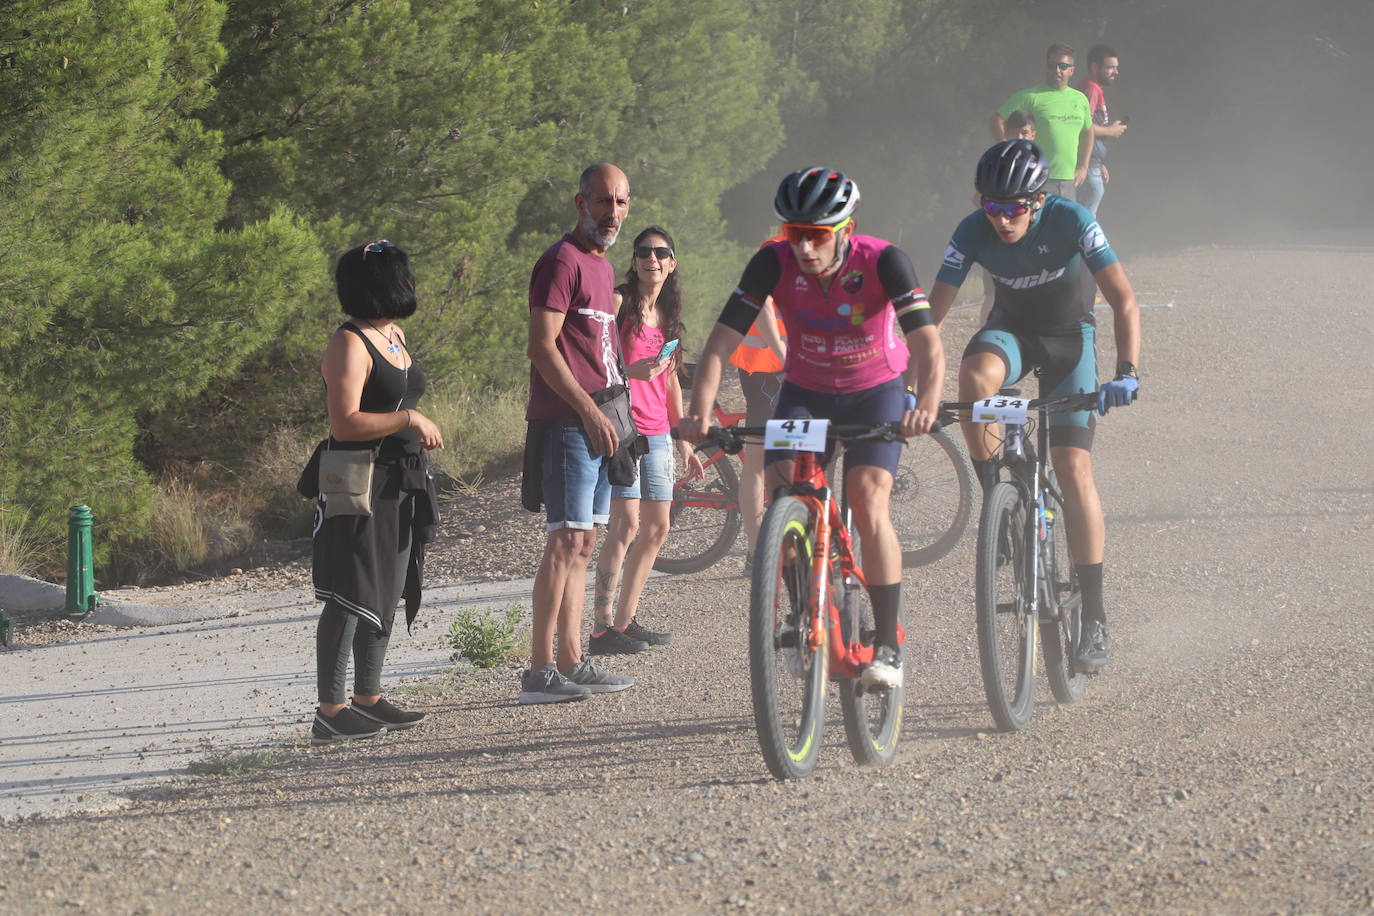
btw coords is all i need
(1012, 168)
(817, 196)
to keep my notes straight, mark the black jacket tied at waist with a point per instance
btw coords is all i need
(355, 556)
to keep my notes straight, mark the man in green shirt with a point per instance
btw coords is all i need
(1063, 122)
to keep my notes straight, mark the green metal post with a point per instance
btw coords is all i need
(5, 628)
(81, 596)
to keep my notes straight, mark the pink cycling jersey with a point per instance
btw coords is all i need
(846, 338)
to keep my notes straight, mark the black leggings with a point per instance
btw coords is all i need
(339, 632)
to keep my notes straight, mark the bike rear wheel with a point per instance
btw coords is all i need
(704, 520)
(1006, 629)
(872, 718)
(1059, 635)
(932, 498)
(787, 679)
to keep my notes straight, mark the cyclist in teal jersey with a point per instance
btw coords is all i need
(1047, 256)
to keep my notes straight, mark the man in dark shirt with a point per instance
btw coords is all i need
(574, 350)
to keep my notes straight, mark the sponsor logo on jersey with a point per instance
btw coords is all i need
(1093, 240)
(800, 282)
(853, 281)
(1040, 279)
(954, 258)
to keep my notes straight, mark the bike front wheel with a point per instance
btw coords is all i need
(1006, 629)
(704, 520)
(1059, 630)
(932, 498)
(872, 718)
(787, 678)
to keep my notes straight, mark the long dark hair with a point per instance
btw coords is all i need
(631, 316)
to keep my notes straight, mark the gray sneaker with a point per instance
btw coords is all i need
(548, 685)
(597, 680)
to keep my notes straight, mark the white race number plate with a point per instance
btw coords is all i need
(1001, 410)
(800, 435)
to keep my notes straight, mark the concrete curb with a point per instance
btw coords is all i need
(22, 593)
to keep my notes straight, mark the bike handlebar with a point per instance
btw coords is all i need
(732, 439)
(1065, 404)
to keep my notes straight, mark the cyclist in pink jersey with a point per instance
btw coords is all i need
(842, 297)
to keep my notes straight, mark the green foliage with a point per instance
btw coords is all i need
(484, 639)
(123, 296)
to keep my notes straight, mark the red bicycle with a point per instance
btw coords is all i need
(810, 620)
(932, 502)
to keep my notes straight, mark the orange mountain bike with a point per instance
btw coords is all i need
(810, 620)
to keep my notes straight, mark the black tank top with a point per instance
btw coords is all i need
(389, 389)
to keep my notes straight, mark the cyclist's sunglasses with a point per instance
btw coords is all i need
(376, 247)
(796, 233)
(661, 252)
(1007, 208)
(1061, 66)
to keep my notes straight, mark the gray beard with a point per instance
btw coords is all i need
(593, 232)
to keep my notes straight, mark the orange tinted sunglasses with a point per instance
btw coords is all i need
(796, 233)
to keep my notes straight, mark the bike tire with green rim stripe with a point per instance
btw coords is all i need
(1006, 631)
(872, 718)
(704, 520)
(788, 694)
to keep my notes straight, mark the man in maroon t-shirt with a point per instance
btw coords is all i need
(574, 350)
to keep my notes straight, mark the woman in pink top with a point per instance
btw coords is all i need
(649, 316)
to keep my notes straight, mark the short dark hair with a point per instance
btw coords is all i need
(1099, 53)
(374, 281)
(1058, 50)
(1019, 119)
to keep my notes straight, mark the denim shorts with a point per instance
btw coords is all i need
(576, 491)
(655, 481)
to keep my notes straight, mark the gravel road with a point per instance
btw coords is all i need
(1222, 763)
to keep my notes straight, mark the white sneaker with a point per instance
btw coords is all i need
(885, 670)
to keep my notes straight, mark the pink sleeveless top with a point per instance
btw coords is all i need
(846, 338)
(648, 400)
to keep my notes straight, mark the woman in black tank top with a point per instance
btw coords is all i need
(364, 565)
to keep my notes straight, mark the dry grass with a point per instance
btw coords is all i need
(480, 430)
(269, 492)
(21, 551)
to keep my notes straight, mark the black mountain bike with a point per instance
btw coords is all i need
(1026, 590)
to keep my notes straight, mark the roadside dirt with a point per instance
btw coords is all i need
(1223, 762)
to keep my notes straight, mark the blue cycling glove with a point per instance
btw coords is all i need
(1119, 392)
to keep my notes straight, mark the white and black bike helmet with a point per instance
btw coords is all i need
(817, 196)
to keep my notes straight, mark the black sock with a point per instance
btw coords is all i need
(985, 471)
(887, 606)
(1090, 583)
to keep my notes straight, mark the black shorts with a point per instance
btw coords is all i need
(883, 403)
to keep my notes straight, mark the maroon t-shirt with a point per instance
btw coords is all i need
(570, 279)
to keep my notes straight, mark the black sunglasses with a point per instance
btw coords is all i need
(1061, 66)
(377, 247)
(661, 252)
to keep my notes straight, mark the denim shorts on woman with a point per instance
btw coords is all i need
(576, 491)
(655, 481)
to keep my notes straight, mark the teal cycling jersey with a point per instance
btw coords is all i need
(1040, 282)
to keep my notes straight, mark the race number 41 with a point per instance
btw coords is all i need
(805, 435)
(1001, 410)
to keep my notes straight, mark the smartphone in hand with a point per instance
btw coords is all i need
(667, 350)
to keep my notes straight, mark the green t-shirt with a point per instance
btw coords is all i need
(1061, 115)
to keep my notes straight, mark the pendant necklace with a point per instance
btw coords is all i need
(393, 341)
